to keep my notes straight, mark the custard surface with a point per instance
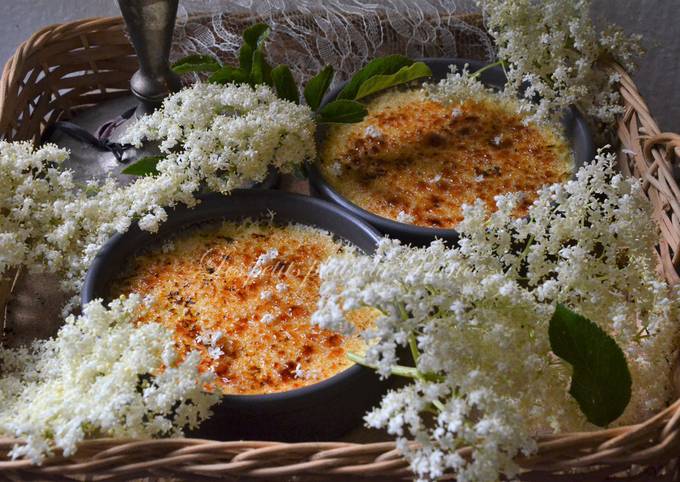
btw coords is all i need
(243, 294)
(416, 160)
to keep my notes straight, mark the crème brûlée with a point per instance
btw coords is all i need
(242, 294)
(415, 159)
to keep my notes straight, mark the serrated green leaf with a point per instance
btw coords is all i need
(261, 72)
(196, 63)
(317, 86)
(255, 35)
(284, 83)
(146, 166)
(402, 76)
(387, 65)
(600, 382)
(342, 111)
(229, 75)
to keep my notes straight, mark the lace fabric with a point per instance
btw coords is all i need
(308, 34)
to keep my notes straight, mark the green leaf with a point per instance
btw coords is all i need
(253, 42)
(229, 75)
(600, 382)
(196, 63)
(261, 72)
(245, 58)
(284, 83)
(342, 111)
(402, 76)
(255, 35)
(387, 65)
(317, 86)
(146, 166)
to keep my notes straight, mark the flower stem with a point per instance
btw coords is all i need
(438, 405)
(479, 72)
(413, 345)
(398, 370)
(525, 251)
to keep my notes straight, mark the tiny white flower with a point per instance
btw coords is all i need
(262, 261)
(281, 287)
(373, 132)
(404, 217)
(299, 372)
(267, 318)
(215, 352)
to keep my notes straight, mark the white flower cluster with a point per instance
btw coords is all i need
(553, 47)
(460, 86)
(48, 223)
(209, 339)
(476, 318)
(101, 375)
(220, 136)
(228, 136)
(33, 193)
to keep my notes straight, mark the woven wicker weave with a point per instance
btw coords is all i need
(63, 68)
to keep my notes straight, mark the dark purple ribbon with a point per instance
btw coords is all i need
(102, 138)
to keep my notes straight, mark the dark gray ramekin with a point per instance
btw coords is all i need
(576, 130)
(321, 411)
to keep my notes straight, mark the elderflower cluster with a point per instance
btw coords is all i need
(34, 191)
(101, 375)
(460, 86)
(552, 48)
(222, 137)
(48, 223)
(477, 316)
(228, 136)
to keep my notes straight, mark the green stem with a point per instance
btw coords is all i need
(477, 73)
(413, 345)
(439, 405)
(398, 370)
(530, 241)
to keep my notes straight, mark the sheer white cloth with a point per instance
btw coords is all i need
(307, 34)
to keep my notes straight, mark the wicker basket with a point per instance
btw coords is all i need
(63, 68)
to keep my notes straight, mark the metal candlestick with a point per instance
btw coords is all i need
(150, 24)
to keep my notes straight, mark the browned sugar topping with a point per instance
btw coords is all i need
(257, 286)
(418, 157)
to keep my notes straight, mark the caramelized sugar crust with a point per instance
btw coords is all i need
(425, 159)
(255, 283)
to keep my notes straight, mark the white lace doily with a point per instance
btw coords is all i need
(307, 34)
